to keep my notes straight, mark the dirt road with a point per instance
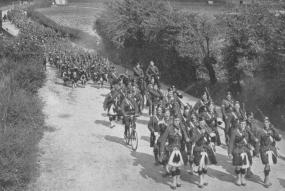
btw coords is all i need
(81, 152)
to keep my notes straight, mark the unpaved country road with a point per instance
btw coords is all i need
(81, 152)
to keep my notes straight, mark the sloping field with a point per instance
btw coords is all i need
(79, 17)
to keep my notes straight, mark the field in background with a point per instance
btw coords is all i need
(74, 17)
(81, 14)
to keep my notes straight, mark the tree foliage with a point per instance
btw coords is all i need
(140, 22)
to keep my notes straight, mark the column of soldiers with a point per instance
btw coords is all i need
(78, 67)
(194, 134)
(181, 134)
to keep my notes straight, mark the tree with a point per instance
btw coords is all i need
(196, 40)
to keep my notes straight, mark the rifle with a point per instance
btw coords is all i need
(209, 95)
(261, 113)
(243, 108)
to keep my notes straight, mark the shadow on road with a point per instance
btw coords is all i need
(145, 115)
(99, 87)
(141, 121)
(50, 129)
(145, 138)
(193, 179)
(149, 170)
(118, 140)
(69, 85)
(103, 122)
(64, 116)
(226, 164)
(104, 114)
(282, 182)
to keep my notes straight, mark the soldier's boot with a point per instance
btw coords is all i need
(174, 182)
(155, 152)
(249, 173)
(190, 171)
(201, 179)
(167, 173)
(238, 180)
(267, 183)
(243, 180)
(204, 173)
(178, 181)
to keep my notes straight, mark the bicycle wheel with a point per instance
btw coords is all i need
(134, 140)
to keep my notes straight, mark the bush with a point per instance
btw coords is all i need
(22, 120)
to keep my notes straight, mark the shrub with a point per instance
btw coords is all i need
(22, 121)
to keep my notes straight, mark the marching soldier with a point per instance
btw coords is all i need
(174, 135)
(256, 131)
(155, 96)
(156, 125)
(227, 111)
(204, 101)
(239, 151)
(138, 72)
(210, 116)
(173, 104)
(268, 151)
(152, 71)
(201, 152)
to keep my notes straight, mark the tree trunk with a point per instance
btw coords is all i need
(209, 61)
(212, 74)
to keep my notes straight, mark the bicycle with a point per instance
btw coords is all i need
(132, 135)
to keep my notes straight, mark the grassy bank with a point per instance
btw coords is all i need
(22, 120)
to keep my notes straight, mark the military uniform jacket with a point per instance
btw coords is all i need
(172, 136)
(129, 107)
(269, 137)
(227, 106)
(241, 139)
(155, 95)
(152, 70)
(155, 123)
(174, 107)
(200, 104)
(138, 72)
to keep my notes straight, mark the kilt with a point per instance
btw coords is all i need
(197, 154)
(237, 158)
(175, 159)
(264, 156)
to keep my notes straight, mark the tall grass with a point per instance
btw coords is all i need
(21, 117)
(21, 124)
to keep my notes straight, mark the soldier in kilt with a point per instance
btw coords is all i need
(156, 126)
(228, 115)
(239, 151)
(268, 151)
(201, 151)
(174, 135)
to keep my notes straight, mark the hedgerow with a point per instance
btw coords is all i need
(22, 120)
